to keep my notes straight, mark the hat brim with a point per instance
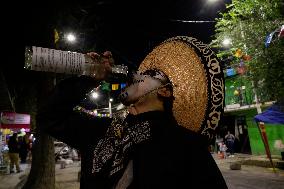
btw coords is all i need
(198, 82)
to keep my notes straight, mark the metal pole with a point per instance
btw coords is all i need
(262, 132)
(109, 107)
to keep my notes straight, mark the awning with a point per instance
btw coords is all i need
(274, 115)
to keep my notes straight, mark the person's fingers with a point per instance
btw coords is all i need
(102, 71)
(93, 55)
(107, 58)
(132, 110)
(107, 54)
(104, 64)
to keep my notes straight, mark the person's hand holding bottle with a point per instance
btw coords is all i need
(102, 64)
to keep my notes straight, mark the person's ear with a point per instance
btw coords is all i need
(164, 92)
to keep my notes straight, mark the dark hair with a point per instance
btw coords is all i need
(168, 101)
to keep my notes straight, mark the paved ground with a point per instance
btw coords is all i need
(9, 181)
(249, 177)
(65, 178)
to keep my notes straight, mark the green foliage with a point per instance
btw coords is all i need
(247, 23)
(236, 83)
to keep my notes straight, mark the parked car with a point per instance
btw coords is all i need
(61, 149)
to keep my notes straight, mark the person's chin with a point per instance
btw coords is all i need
(127, 103)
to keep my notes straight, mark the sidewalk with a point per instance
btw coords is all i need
(254, 160)
(67, 178)
(10, 181)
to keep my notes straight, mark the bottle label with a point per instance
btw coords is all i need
(51, 60)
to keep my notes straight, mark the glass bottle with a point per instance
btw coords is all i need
(58, 61)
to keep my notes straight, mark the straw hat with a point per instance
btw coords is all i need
(198, 82)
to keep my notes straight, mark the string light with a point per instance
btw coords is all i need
(93, 113)
(193, 21)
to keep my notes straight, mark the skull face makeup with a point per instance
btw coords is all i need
(143, 84)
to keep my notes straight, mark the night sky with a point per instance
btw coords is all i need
(130, 29)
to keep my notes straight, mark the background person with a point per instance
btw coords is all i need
(230, 141)
(13, 146)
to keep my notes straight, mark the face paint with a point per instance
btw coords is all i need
(142, 84)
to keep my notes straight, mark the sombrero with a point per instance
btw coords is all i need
(198, 81)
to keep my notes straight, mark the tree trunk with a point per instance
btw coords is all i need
(42, 174)
(39, 32)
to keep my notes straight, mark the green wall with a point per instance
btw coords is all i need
(273, 132)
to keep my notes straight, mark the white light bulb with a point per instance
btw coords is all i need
(95, 95)
(71, 37)
(226, 42)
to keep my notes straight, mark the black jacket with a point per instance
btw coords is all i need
(13, 145)
(173, 157)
